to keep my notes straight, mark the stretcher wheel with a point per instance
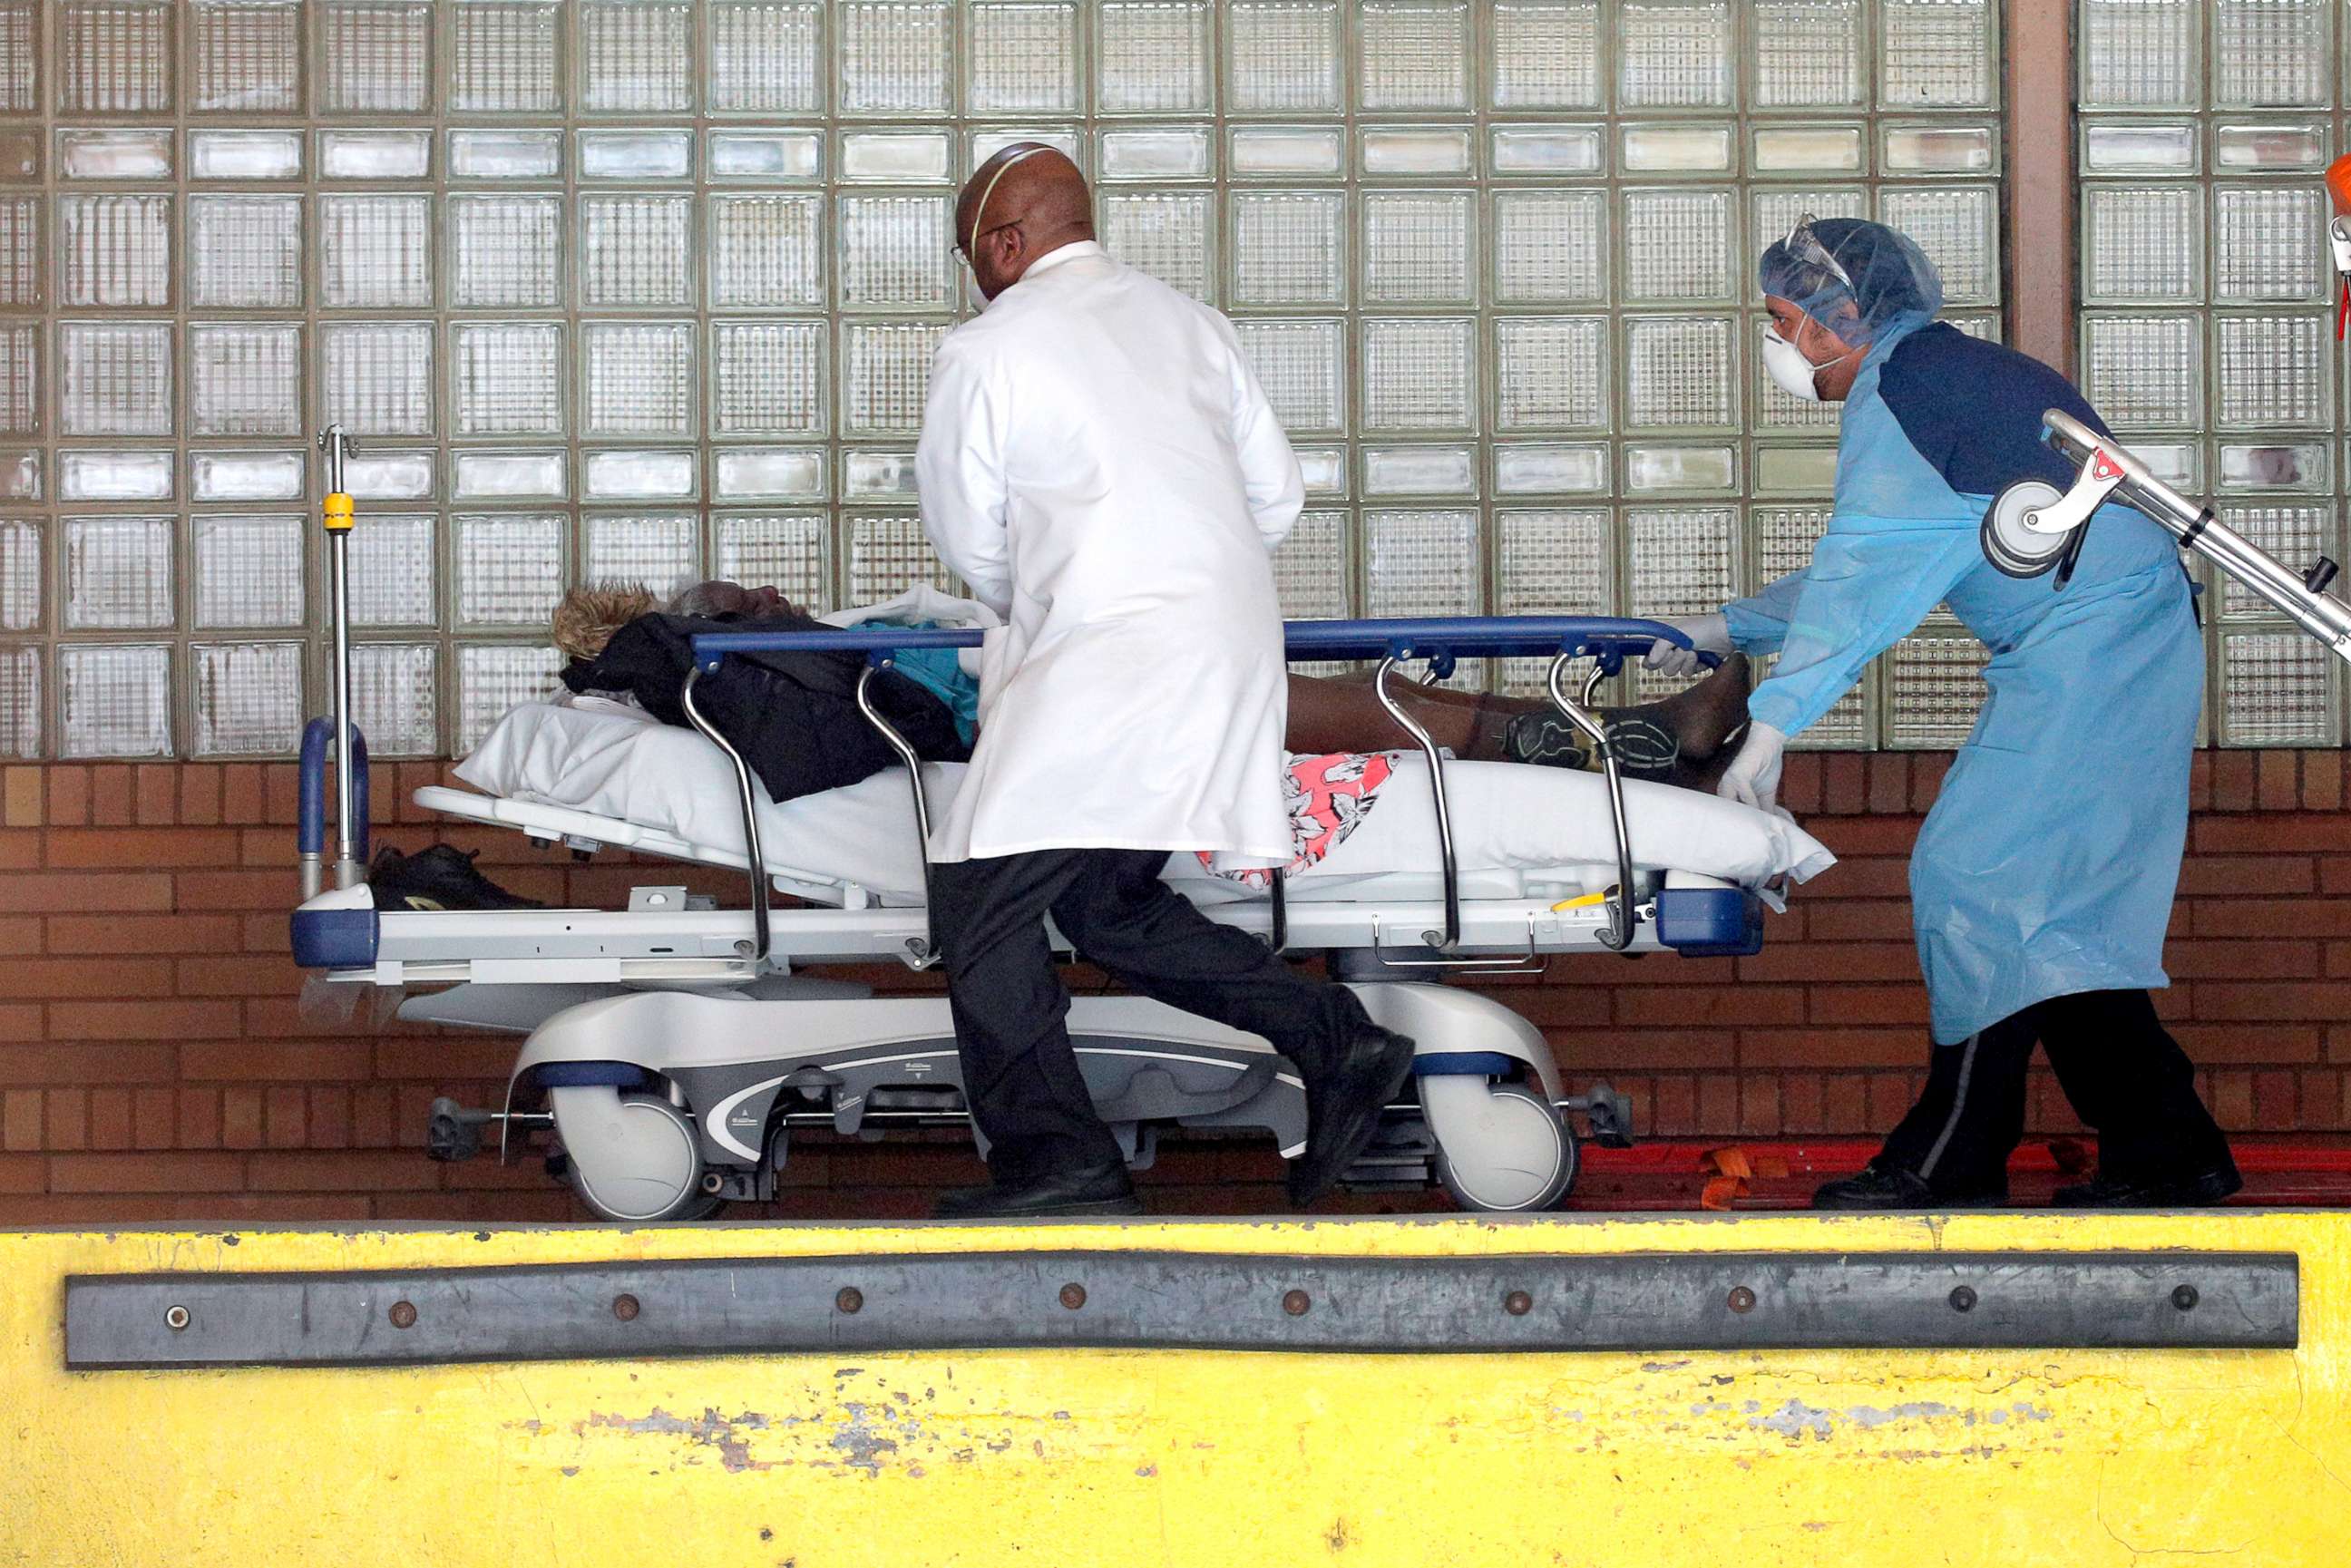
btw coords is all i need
(2010, 547)
(1515, 1153)
(633, 1157)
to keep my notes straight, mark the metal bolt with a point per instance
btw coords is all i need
(1295, 1302)
(1073, 1295)
(625, 1308)
(1518, 1303)
(1963, 1299)
(175, 1318)
(1742, 1300)
(404, 1314)
(2185, 1298)
(850, 1300)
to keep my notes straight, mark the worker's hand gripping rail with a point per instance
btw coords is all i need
(2028, 532)
(1439, 642)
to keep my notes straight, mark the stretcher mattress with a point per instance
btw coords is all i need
(1517, 830)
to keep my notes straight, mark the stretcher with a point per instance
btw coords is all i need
(673, 1046)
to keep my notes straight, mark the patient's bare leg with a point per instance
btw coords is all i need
(1674, 740)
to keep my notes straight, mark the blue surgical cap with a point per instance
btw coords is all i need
(1892, 283)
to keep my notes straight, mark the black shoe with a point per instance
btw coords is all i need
(1887, 1186)
(2201, 1190)
(1344, 1102)
(439, 878)
(1104, 1189)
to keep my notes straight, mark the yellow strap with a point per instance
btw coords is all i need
(338, 513)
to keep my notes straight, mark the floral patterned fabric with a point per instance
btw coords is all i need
(1327, 795)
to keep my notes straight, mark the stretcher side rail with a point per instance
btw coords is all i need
(1436, 642)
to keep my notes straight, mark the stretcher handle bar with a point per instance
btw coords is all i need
(335, 514)
(1449, 939)
(2321, 614)
(748, 796)
(1609, 639)
(923, 952)
(1618, 938)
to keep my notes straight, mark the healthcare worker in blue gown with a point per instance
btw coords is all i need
(2041, 882)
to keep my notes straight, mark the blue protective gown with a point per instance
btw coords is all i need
(2048, 865)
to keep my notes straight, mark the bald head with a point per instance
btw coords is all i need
(1024, 203)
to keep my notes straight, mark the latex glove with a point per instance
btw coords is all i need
(1754, 776)
(1707, 634)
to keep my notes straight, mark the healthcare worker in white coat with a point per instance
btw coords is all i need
(1099, 464)
(2041, 883)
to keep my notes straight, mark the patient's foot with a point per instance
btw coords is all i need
(1671, 742)
(1703, 716)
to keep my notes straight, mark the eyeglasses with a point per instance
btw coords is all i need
(965, 256)
(1806, 245)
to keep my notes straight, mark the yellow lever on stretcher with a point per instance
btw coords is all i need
(1587, 901)
(337, 513)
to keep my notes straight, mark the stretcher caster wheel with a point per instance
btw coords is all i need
(2012, 549)
(1507, 1150)
(633, 1157)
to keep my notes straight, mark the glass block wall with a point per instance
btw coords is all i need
(2207, 327)
(647, 289)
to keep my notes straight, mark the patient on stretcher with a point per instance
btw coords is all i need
(1682, 740)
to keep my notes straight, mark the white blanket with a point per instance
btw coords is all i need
(1517, 829)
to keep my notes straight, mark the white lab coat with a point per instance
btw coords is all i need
(1099, 463)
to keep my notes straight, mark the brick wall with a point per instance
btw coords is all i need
(155, 1061)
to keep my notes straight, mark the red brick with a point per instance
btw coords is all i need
(293, 1061)
(1758, 1108)
(20, 797)
(2241, 918)
(1673, 1110)
(2335, 873)
(2321, 780)
(20, 1119)
(199, 1118)
(20, 849)
(1772, 1050)
(157, 788)
(1800, 1100)
(146, 1172)
(152, 1118)
(2233, 782)
(1711, 1005)
(2199, 782)
(24, 1173)
(109, 849)
(2320, 1097)
(241, 1117)
(238, 890)
(83, 891)
(1860, 877)
(2273, 1099)
(146, 934)
(437, 1056)
(177, 1019)
(1927, 770)
(2243, 876)
(353, 1170)
(413, 777)
(1718, 1106)
(242, 975)
(264, 847)
(2232, 1100)
(1858, 920)
(1889, 783)
(2275, 833)
(109, 1118)
(330, 1117)
(1844, 782)
(20, 935)
(266, 934)
(1799, 783)
(241, 801)
(200, 794)
(2319, 1000)
(1827, 961)
(273, 1208)
(36, 978)
(286, 1118)
(137, 1061)
(2280, 787)
(2206, 959)
(281, 784)
(1870, 1004)
(21, 1021)
(1889, 1101)
(109, 795)
(1845, 1103)
(372, 1117)
(66, 1119)
(68, 796)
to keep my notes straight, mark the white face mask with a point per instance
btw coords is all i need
(1789, 369)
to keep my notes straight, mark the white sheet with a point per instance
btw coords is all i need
(1516, 828)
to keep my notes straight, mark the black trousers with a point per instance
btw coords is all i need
(2126, 1076)
(1020, 1074)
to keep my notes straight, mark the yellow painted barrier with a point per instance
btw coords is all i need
(1063, 1458)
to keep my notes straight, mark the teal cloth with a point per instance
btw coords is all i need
(938, 671)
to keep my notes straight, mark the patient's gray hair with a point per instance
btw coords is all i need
(706, 598)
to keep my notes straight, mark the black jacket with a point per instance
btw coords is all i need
(792, 715)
